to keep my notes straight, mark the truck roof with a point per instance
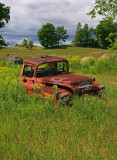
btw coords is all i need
(44, 59)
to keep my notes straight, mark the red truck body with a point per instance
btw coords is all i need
(49, 75)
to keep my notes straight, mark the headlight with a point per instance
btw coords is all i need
(100, 92)
(85, 87)
(65, 98)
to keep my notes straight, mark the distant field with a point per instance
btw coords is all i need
(62, 51)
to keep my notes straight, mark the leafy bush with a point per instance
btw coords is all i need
(112, 38)
(27, 44)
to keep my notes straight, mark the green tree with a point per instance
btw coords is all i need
(47, 35)
(61, 34)
(112, 38)
(4, 15)
(4, 18)
(30, 45)
(2, 42)
(24, 43)
(84, 36)
(27, 44)
(107, 8)
(79, 26)
(78, 39)
(103, 29)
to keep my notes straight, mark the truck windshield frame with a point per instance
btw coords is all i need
(28, 71)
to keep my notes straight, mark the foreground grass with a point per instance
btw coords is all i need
(32, 128)
(62, 51)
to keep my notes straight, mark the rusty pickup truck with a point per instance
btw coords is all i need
(49, 75)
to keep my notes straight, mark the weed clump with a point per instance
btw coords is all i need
(94, 66)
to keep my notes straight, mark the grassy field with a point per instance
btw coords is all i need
(62, 51)
(33, 128)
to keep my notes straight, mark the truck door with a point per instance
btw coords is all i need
(28, 77)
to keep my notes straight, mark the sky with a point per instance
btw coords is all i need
(28, 16)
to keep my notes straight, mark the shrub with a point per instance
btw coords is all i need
(27, 44)
(30, 45)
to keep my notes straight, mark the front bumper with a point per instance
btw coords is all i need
(90, 89)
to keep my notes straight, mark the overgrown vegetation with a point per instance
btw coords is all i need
(94, 66)
(33, 128)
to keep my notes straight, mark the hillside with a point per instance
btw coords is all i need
(62, 51)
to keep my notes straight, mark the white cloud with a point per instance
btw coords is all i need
(27, 16)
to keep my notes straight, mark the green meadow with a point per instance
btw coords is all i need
(33, 128)
(61, 51)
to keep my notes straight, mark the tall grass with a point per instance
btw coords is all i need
(94, 66)
(33, 128)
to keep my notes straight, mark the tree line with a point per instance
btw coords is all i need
(104, 36)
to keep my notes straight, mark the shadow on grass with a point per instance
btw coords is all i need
(59, 47)
(4, 47)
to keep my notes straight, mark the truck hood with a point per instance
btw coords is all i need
(68, 80)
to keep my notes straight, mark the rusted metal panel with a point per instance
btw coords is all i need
(44, 59)
(69, 80)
